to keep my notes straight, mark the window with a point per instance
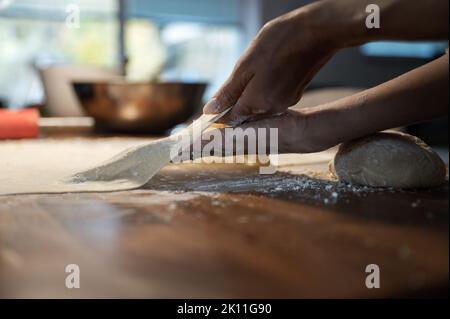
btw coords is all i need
(173, 40)
(177, 40)
(34, 34)
(182, 51)
(423, 50)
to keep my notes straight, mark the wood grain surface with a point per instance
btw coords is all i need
(208, 231)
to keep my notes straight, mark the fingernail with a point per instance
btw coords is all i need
(212, 107)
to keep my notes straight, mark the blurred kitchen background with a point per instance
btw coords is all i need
(191, 41)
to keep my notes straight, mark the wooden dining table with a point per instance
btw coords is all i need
(226, 231)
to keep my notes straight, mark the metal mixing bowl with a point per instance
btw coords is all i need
(124, 107)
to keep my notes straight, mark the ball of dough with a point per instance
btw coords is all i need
(389, 159)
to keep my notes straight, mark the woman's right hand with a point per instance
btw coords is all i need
(278, 65)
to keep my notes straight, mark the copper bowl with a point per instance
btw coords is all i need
(154, 108)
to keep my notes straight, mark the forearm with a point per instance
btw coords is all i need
(343, 22)
(417, 96)
(410, 20)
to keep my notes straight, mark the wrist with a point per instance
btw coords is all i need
(313, 131)
(330, 124)
(323, 131)
(334, 24)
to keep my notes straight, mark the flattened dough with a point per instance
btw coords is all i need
(389, 159)
(38, 166)
(28, 170)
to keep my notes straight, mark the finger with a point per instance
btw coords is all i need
(232, 89)
(261, 99)
(274, 89)
(249, 104)
(220, 142)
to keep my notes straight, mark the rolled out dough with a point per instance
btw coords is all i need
(389, 159)
(33, 167)
(39, 166)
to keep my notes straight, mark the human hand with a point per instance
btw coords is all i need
(297, 131)
(276, 68)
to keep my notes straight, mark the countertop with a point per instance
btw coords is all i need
(224, 230)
